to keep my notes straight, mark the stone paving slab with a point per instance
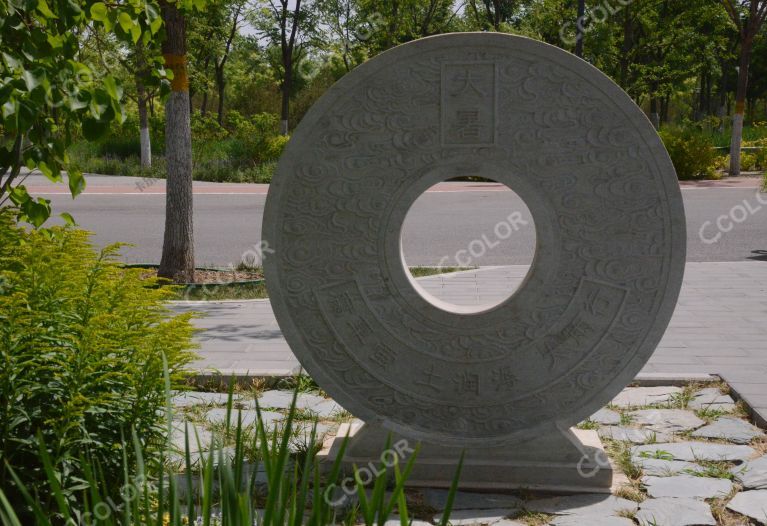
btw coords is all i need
(717, 328)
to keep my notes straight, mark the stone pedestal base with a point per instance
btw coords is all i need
(571, 460)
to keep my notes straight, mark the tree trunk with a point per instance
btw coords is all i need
(740, 102)
(204, 104)
(654, 114)
(177, 261)
(143, 123)
(286, 85)
(579, 41)
(220, 85)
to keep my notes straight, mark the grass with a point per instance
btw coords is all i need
(712, 469)
(533, 518)
(223, 488)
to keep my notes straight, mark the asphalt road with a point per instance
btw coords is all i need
(448, 228)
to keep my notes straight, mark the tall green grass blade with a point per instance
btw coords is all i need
(401, 500)
(58, 494)
(8, 514)
(40, 515)
(451, 494)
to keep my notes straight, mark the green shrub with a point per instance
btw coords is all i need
(81, 352)
(692, 153)
(122, 139)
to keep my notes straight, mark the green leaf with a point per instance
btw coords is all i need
(135, 32)
(112, 88)
(68, 219)
(99, 12)
(36, 212)
(43, 9)
(125, 21)
(12, 61)
(76, 182)
(56, 41)
(33, 78)
(47, 172)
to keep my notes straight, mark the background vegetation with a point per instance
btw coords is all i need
(82, 341)
(677, 59)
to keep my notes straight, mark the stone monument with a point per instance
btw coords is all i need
(508, 383)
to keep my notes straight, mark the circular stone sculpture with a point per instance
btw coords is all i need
(608, 264)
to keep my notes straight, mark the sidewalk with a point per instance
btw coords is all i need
(719, 326)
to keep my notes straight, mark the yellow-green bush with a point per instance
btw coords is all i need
(82, 341)
(692, 153)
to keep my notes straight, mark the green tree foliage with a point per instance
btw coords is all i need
(49, 95)
(82, 341)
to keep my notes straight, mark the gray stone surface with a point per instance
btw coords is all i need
(478, 517)
(665, 468)
(641, 396)
(687, 486)
(282, 398)
(437, 498)
(752, 474)
(395, 521)
(274, 399)
(199, 436)
(752, 503)
(667, 420)
(342, 296)
(326, 409)
(248, 417)
(675, 512)
(582, 505)
(730, 428)
(192, 398)
(578, 520)
(712, 398)
(606, 417)
(692, 451)
(632, 434)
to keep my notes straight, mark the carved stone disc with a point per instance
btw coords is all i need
(603, 195)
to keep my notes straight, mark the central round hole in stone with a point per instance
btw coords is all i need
(468, 245)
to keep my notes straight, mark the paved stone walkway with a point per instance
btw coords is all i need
(686, 456)
(719, 326)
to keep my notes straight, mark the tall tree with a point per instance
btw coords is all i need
(579, 25)
(748, 16)
(177, 262)
(291, 31)
(234, 18)
(492, 14)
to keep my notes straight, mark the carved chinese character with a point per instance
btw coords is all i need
(466, 382)
(360, 328)
(578, 330)
(341, 303)
(468, 124)
(431, 379)
(383, 356)
(503, 379)
(467, 82)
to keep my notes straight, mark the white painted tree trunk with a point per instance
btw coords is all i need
(284, 127)
(146, 148)
(655, 120)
